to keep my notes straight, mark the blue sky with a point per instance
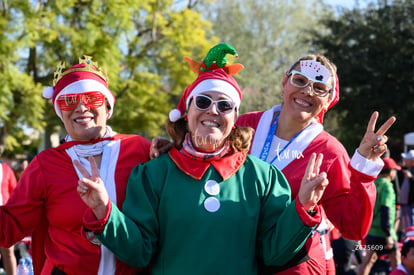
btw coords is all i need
(345, 3)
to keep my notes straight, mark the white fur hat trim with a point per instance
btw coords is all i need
(215, 85)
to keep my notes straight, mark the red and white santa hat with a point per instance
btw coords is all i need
(216, 80)
(81, 78)
(214, 75)
(409, 234)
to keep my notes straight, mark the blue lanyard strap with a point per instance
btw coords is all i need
(269, 139)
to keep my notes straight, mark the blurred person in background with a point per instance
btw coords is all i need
(7, 184)
(405, 178)
(382, 238)
(407, 259)
(20, 166)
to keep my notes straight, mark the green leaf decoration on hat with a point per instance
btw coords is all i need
(217, 56)
(218, 53)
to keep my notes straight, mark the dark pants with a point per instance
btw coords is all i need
(343, 250)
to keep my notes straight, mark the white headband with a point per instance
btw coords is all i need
(215, 85)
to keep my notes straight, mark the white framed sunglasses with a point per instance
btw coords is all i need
(204, 102)
(300, 80)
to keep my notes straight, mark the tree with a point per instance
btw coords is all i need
(373, 49)
(20, 97)
(269, 36)
(142, 43)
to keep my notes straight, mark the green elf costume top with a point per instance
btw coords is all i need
(191, 214)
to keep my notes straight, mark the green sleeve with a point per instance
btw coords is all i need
(388, 195)
(282, 232)
(129, 242)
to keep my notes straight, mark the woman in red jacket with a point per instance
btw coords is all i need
(45, 202)
(288, 134)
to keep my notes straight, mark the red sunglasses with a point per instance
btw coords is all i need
(68, 102)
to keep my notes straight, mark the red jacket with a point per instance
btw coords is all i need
(47, 204)
(348, 200)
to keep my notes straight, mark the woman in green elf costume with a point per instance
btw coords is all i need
(205, 207)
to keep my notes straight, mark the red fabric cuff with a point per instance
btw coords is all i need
(91, 223)
(307, 219)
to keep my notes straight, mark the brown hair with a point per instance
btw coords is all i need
(240, 137)
(406, 247)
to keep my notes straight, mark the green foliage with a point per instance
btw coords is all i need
(268, 36)
(142, 44)
(373, 49)
(20, 97)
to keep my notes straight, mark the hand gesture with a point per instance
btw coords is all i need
(92, 189)
(159, 145)
(373, 145)
(313, 183)
(407, 174)
(389, 242)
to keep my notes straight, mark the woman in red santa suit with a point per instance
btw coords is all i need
(45, 202)
(288, 134)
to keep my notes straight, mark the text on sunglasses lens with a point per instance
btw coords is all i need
(300, 80)
(69, 102)
(203, 102)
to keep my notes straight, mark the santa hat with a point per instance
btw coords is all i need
(214, 75)
(83, 77)
(409, 234)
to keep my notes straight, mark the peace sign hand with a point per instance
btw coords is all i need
(313, 183)
(373, 145)
(92, 189)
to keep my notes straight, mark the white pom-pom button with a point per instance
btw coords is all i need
(48, 92)
(212, 187)
(212, 204)
(174, 115)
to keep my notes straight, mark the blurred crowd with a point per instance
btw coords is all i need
(389, 246)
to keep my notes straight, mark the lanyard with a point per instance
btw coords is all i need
(269, 139)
